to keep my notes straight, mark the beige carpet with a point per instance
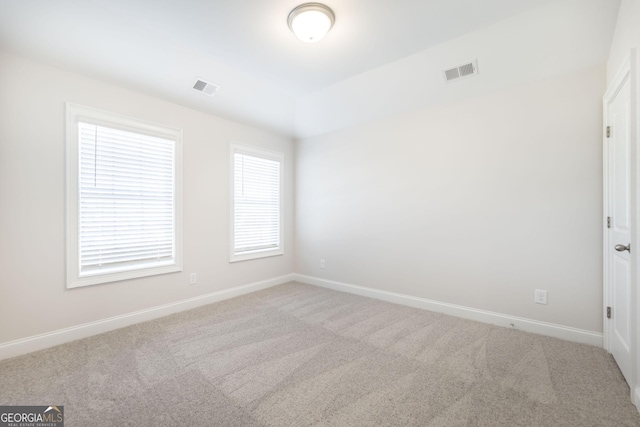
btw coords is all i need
(298, 355)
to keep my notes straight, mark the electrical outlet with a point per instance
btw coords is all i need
(322, 263)
(193, 278)
(540, 297)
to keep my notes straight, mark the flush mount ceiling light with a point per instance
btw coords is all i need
(311, 21)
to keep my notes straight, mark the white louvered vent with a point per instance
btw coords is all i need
(205, 87)
(460, 72)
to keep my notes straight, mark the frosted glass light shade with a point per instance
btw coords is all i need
(311, 21)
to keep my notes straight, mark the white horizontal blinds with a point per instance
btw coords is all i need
(126, 200)
(256, 212)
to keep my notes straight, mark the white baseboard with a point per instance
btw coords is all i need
(61, 336)
(636, 398)
(528, 325)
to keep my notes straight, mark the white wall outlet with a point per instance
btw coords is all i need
(322, 263)
(193, 278)
(540, 297)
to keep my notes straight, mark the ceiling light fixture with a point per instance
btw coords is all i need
(311, 21)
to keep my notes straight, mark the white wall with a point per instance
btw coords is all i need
(33, 298)
(625, 37)
(476, 203)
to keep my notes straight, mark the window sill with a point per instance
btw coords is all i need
(97, 279)
(256, 255)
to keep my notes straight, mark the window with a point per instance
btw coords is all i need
(256, 203)
(123, 198)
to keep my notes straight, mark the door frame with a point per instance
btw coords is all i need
(628, 72)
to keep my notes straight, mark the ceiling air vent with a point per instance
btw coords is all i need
(205, 87)
(461, 71)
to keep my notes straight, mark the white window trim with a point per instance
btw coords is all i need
(260, 152)
(75, 113)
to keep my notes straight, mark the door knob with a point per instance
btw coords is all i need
(622, 248)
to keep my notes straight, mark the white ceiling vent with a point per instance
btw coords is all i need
(460, 72)
(205, 87)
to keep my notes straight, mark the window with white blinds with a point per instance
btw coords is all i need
(124, 198)
(256, 228)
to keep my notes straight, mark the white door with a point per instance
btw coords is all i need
(619, 238)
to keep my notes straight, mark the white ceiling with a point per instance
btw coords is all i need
(159, 46)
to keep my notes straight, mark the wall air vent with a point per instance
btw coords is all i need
(205, 87)
(460, 72)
